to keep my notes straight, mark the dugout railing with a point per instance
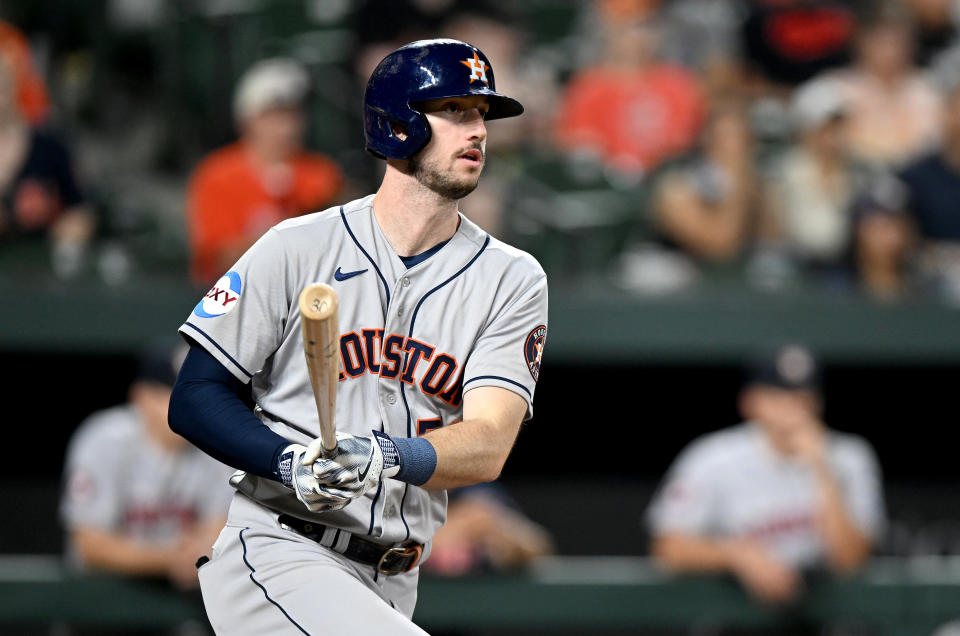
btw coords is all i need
(560, 595)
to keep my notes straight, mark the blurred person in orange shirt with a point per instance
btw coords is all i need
(775, 497)
(241, 190)
(631, 110)
(31, 93)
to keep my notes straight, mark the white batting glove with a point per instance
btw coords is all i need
(356, 465)
(353, 468)
(299, 478)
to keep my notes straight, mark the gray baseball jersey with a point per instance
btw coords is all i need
(412, 342)
(117, 481)
(732, 483)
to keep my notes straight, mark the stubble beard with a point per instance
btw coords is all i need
(430, 175)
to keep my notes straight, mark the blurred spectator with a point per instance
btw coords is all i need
(934, 26)
(894, 110)
(533, 84)
(484, 530)
(500, 36)
(811, 187)
(703, 35)
(774, 496)
(38, 194)
(630, 111)
(138, 499)
(30, 91)
(707, 205)
(883, 239)
(786, 42)
(933, 183)
(240, 191)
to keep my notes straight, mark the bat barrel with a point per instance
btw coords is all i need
(318, 302)
(321, 346)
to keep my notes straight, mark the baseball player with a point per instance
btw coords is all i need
(774, 496)
(138, 499)
(442, 329)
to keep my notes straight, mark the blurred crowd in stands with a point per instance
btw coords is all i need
(778, 144)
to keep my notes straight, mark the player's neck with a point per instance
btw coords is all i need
(413, 217)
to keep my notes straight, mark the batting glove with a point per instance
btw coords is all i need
(299, 478)
(353, 468)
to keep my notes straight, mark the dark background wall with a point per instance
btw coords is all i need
(629, 420)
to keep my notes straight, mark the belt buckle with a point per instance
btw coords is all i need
(398, 553)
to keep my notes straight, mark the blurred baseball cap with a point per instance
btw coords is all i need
(271, 83)
(160, 362)
(789, 366)
(817, 102)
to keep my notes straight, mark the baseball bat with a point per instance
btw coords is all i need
(321, 346)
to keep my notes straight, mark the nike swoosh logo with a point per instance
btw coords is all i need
(361, 476)
(345, 275)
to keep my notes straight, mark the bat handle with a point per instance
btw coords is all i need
(328, 450)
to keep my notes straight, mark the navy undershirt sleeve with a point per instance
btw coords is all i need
(207, 408)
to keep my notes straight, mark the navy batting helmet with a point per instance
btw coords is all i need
(417, 72)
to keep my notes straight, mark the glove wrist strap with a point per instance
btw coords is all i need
(284, 466)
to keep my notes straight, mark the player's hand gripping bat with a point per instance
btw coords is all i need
(321, 345)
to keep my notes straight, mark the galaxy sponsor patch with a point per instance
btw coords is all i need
(221, 298)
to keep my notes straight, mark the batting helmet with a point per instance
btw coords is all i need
(421, 71)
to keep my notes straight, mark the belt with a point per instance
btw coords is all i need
(387, 560)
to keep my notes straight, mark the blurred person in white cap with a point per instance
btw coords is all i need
(813, 184)
(775, 497)
(241, 190)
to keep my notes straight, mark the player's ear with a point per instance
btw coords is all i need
(398, 131)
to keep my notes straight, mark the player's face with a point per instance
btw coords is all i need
(276, 132)
(782, 413)
(451, 163)
(152, 400)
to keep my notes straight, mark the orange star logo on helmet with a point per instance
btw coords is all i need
(478, 69)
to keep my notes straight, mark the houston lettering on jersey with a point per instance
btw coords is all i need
(395, 356)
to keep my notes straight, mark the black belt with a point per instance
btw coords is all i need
(387, 560)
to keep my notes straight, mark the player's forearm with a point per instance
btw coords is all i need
(116, 553)
(206, 408)
(690, 553)
(846, 547)
(470, 452)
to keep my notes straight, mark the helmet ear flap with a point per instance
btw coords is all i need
(397, 138)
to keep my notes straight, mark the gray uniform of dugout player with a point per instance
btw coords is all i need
(418, 339)
(117, 481)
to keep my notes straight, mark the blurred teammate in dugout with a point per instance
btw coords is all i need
(138, 499)
(776, 497)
